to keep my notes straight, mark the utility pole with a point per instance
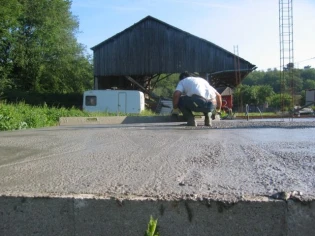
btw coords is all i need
(237, 70)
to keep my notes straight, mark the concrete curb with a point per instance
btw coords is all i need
(114, 120)
(108, 216)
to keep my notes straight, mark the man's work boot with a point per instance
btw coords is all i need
(191, 122)
(208, 119)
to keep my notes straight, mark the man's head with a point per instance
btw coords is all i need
(184, 75)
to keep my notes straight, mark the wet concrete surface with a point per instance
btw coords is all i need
(230, 161)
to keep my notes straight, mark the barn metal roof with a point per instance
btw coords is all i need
(151, 46)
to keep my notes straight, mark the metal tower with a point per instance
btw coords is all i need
(286, 51)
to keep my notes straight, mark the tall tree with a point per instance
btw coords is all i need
(281, 101)
(254, 78)
(272, 78)
(308, 74)
(242, 95)
(9, 12)
(44, 54)
(309, 84)
(260, 94)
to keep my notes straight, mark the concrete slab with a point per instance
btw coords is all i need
(109, 179)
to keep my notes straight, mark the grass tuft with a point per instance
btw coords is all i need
(152, 228)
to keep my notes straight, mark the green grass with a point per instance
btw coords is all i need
(23, 116)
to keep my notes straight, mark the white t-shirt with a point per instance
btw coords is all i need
(198, 86)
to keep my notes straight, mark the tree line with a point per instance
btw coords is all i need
(265, 87)
(38, 48)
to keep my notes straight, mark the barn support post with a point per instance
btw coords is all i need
(95, 83)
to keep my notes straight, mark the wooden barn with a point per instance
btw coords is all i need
(154, 49)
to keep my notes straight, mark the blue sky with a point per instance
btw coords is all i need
(252, 25)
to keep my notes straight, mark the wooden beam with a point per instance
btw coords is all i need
(151, 94)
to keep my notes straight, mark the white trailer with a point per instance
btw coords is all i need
(115, 101)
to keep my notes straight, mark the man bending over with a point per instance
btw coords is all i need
(195, 94)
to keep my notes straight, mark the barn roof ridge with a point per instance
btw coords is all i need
(121, 32)
(149, 17)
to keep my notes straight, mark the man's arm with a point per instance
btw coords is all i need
(176, 97)
(219, 101)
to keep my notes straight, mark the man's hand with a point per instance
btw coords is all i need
(175, 112)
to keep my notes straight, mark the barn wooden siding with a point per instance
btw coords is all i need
(154, 47)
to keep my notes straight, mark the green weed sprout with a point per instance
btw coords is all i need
(152, 228)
